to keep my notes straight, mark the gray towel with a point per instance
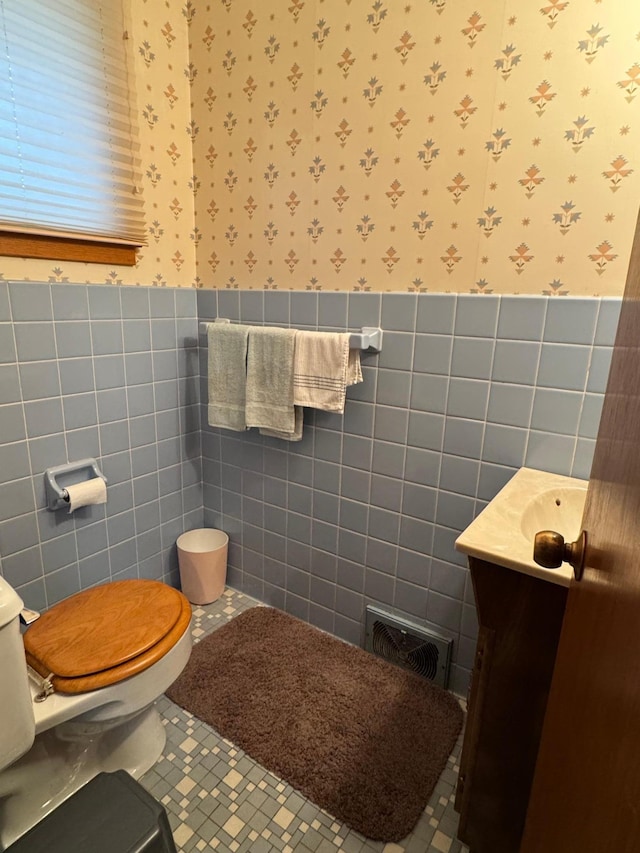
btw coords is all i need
(269, 402)
(227, 375)
(296, 435)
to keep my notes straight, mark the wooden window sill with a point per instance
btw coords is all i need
(66, 249)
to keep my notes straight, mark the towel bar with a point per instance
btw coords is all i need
(368, 338)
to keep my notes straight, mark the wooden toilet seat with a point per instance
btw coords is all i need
(105, 634)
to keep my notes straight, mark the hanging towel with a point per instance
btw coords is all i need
(354, 368)
(227, 375)
(270, 380)
(323, 368)
(296, 435)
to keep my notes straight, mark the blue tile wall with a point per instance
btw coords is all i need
(113, 373)
(364, 510)
(367, 507)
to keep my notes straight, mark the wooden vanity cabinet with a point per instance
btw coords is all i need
(519, 627)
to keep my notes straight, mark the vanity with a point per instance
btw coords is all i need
(520, 608)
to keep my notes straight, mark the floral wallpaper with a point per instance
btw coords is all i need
(435, 145)
(484, 146)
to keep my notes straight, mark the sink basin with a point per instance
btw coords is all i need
(558, 509)
(504, 531)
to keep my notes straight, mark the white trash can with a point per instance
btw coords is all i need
(202, 557)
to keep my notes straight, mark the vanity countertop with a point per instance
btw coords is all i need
(532, 500)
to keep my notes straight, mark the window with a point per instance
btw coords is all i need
(69, 166)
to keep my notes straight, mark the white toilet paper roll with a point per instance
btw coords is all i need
(92, 491)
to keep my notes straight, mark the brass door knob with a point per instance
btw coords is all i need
(551, 551)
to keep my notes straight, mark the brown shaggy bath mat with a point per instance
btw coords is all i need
(361, 738)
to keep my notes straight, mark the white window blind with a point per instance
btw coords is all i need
(69, 164)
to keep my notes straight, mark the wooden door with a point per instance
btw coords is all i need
(586, 790)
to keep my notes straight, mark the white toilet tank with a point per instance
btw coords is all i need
(17, 726)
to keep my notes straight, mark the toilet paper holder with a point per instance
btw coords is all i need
(56, 492)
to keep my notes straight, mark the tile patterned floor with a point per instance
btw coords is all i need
(218, 798)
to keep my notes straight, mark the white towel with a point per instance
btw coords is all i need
(227, 377)
(323, 368)
(270, 381)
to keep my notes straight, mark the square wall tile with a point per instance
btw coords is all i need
(104, 302)
(504, 445)
(35, 341)
(422, 466)
(30, 302)
(135, 302)
(162, 302)
(556, 411)
(388, 458)
(516, 362)
(397, 351)
(136, 335)
(76, 375)
(571, 321)
(454, 510)
(391, 424)
(399, 312)
(426, 430)
(416, 535)
(44, 417)
(72, 339)
(303, 308)
(70, 302)
(413, 567)
(477, 316)
(229, 304)
(436, 313)
(564, 366)
(252, 306)
(429, 392)
(492, 479)
(419, 501)
(83, 443)
(522, 318)
(432, 354)
(510, 404)
(393, 388)
(39, 379)
(364, 310)
(549, 452)
(385, 492)
(163, 334)
(276, 308)
(463, 437)
(472, 358)
(109, 372)
(460, 475)
(467, 398)
(333, 310)
(80, 411)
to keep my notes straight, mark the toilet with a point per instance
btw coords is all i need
(97, 662)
